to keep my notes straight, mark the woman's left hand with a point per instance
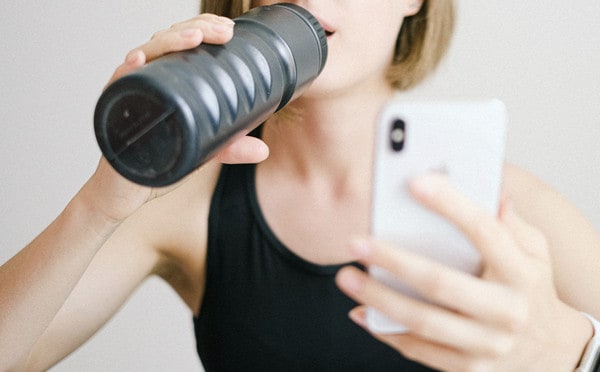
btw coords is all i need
(508, 319)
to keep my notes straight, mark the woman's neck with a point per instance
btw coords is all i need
(326, 136)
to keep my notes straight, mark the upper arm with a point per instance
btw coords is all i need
(573, 241)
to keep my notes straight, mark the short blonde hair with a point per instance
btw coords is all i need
(422, 42)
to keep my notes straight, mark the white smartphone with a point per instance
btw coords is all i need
(463, 140)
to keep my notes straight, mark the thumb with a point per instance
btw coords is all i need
(243, 150)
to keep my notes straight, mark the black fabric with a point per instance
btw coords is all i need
(265, 308)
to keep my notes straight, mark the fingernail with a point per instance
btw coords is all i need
(423, 186)
(222, 27)
(225, 21)
(350, 282)
(358, 316)
(361, 247)
(132, 57)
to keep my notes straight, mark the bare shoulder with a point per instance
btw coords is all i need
(537, 201)
(573, 241)
(519, 182)
(542, 206)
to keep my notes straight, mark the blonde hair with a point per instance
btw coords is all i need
(227, 8)
(422, 42)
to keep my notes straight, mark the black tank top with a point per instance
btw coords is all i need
(267, 309)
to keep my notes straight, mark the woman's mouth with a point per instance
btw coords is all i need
(326, 27)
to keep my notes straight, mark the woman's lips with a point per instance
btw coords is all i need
(326, 27)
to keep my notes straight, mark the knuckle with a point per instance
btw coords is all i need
(518, 317)
(187, 21)
(203, 21)
(423, 324)
(487, 228)
(436, 285)
(500, 346)
(206, 17)
(157, 34)
(532, 277)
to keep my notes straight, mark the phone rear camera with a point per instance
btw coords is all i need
(397, 135)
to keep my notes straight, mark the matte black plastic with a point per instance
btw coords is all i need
(158, 124)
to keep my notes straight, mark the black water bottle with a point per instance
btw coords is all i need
(161, 122)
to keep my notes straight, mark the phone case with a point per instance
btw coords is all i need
(465, 141)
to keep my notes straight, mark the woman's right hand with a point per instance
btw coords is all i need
(112, 195)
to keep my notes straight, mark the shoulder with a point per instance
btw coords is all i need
(573, 242)
(534, 198)
(539, 203)
(520, 182)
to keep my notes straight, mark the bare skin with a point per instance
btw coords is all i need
(114, 234)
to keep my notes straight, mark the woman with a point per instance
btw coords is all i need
(232, 239)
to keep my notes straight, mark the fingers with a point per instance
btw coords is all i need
(426, 321)
(531, 241)
(436, 356)
(245, 149)
(205, 28)
(443, 285)
(134, 60)
(428, 353)
(486, 232)
(458, 293)
(459, 321)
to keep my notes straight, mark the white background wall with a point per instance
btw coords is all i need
(541, 57)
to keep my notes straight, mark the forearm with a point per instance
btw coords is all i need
(36, 282)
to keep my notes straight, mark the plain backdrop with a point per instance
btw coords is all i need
(542, 58)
